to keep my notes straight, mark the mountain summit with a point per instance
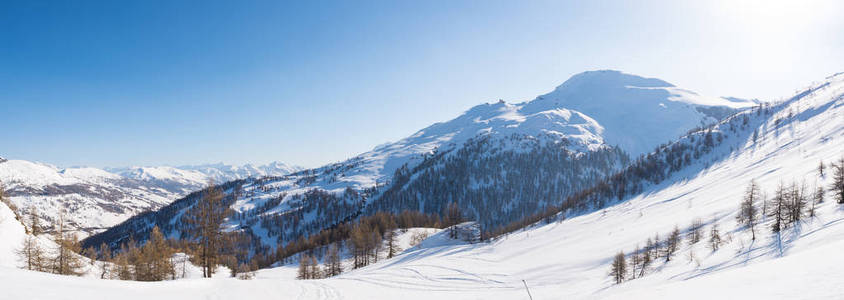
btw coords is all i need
(637, 113)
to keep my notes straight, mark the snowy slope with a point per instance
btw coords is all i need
(570, 259)
(12, 234)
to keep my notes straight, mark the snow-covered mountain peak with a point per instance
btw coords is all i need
(608, 79)
(610, 87)
(637, 113)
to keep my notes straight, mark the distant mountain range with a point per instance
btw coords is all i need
(185, 179)
(95, 199)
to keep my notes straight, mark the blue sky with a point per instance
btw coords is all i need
(117, 83)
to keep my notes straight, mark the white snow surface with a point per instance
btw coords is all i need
(12, 234)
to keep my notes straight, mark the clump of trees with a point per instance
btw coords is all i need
(152, 260)
(308, 267)
(637, 263)
(453, 216)
(748, 212)
(641, 259)
(837, 185)
(67, 260)
(205, 220)
(695, 232)
(619, 267)
(156, 259)
(367, 240)
(393, 248)
(64, 259)
(672, 243)
(714, 237)
(789, 204)
(32, 254)
(821, 169)
(333, 265)
(365, 243)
